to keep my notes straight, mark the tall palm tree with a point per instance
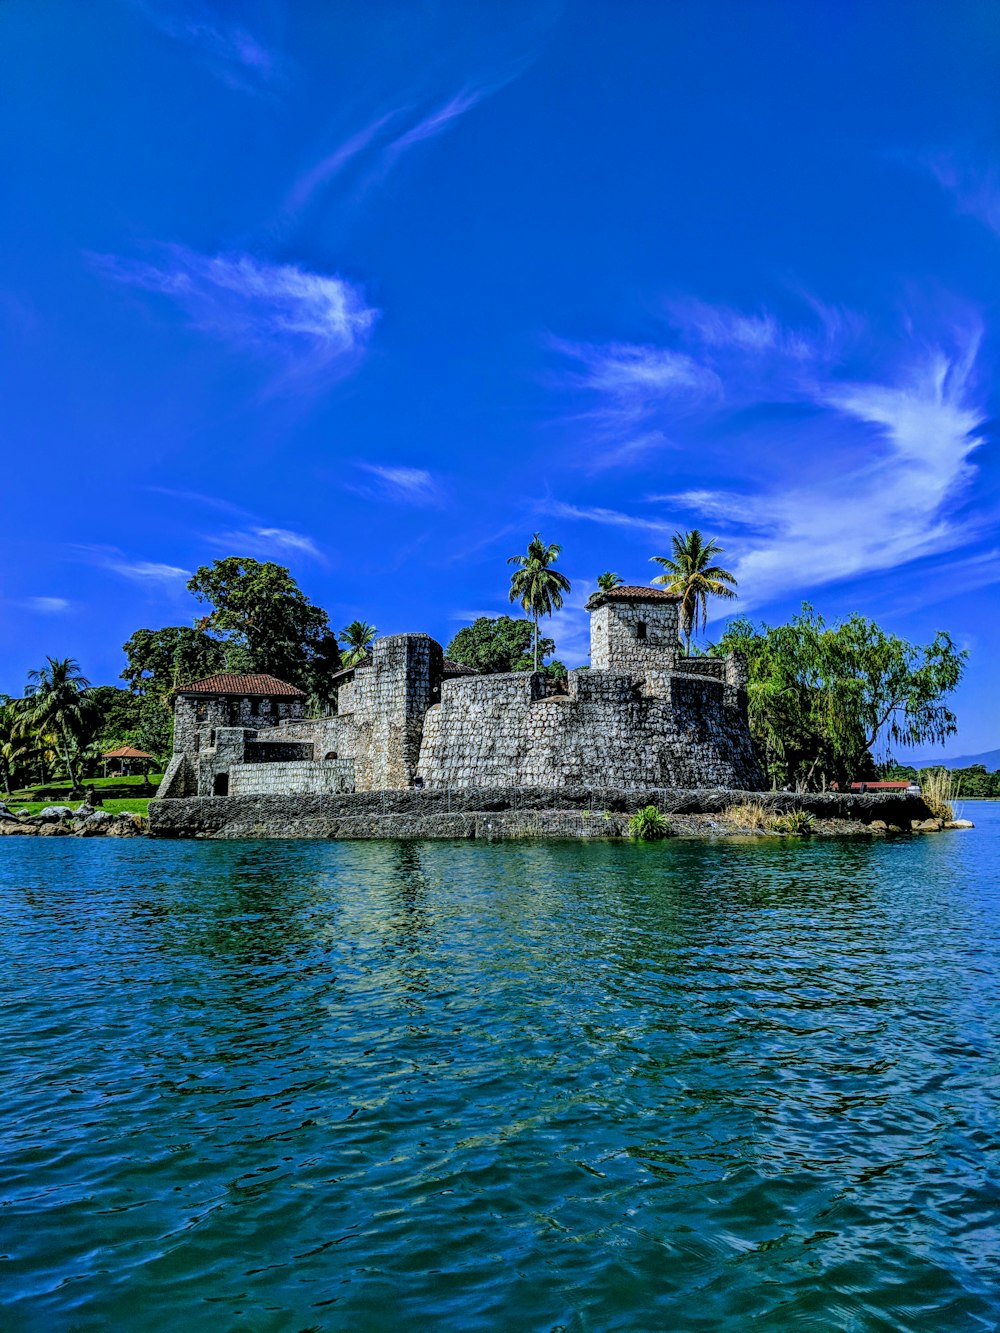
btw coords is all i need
(536, 585)
(55, 700)
(691, 575)
(357, 638)
(608, 581)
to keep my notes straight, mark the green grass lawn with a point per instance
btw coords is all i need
(137, 805)
(58, 792)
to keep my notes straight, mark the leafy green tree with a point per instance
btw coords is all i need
(356, 638)
(608, 581)
(494, 644)
(14, 745)
(821, 696)
(56, 700)
(690, 574)
(258, 607)
(536, 584)
(139, 720)
(158, 660)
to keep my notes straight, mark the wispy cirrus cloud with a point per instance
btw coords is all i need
(317, 323)
(46, 606)
(610, 518)
(267, 542)
(233, 53)
(407, 485)
(874, 476)
(150, 572)
(974, 189)
(632, 379)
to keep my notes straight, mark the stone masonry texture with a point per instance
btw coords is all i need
(643, 717)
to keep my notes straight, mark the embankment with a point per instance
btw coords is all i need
(512, 812)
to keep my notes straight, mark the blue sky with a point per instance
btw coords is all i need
(377, 290)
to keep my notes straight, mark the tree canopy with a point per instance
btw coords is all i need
(493, 644)
(158, 660)
(257, 607)
(822, 695)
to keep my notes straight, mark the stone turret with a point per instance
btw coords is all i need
(633, 629)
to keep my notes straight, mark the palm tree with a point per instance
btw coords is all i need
(608, 581)
(55, 700)
(357, 638)
(536, 585)
(691, 575)
(13, 746)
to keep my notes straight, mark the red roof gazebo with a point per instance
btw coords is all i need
(126, 753)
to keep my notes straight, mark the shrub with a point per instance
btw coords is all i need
(798, 823)
(751, 814)
(647, 824)
(939, 791)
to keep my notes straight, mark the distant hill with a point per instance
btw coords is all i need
(990, 761)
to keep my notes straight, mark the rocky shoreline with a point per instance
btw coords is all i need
(61, 821)
(496, 814)
(491, 815)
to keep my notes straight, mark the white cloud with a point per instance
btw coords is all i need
(883, 489)
(635, 376)
(894, 508)
(976, 191)
(46, 606)
(317, 322)
(147, 571)
(609, 517)
(267, 542)
(411, 485)
(233, 53)
(437, 121)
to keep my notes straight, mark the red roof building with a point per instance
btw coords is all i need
(243, 687)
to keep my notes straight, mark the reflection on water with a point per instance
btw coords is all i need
(315, 1085)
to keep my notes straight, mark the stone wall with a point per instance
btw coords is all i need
(666, 729)
(495, 812)
(291, 779)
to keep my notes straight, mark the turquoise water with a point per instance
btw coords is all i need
(279, 1085)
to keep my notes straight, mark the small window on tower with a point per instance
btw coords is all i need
(640, 629)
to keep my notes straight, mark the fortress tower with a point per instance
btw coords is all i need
(633, 629)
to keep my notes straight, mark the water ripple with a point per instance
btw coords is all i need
(690, 1086)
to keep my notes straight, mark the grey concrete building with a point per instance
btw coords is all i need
(642, 715)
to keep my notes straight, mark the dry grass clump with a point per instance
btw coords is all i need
(749, 814)
(939, 790)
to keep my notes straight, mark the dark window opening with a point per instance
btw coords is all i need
(254, 707)
(201, 713)
(211, 739)
(234, 711)
(221, 785)
(332, 754)
(197, 740)
(640, 629)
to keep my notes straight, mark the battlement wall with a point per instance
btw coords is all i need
(665, 729)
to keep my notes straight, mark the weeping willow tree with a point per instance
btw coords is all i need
(821, 696)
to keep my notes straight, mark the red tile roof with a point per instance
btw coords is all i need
(630, 592)
(126, 752)
(243, 686)
(457, 669)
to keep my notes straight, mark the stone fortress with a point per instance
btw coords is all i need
(641, 716)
